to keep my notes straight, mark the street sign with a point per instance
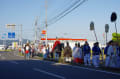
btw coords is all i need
(11, 34)
(10, 26)
(92, 26)
(4, 36)
(106, 28)
(113, 17)
(43, 31)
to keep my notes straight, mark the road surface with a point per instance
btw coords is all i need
(15, 67)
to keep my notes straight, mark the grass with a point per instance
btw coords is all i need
(8, 50)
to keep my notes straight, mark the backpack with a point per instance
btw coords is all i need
(58, 48)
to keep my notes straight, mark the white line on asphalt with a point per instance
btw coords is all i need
(35, 59)
(94, 70)
(19, 56)
(113, 73)
(48, 73)
(14, 62)
(47, 61)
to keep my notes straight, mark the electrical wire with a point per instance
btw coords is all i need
(66, 12)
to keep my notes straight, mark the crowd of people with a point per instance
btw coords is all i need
(81, 54)
(27, 50)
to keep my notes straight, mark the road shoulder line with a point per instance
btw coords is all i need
(90, 69)
(48, 73)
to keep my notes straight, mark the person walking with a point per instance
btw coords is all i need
(27, 51)
(87, 54)
(68, 53)
(96, 54)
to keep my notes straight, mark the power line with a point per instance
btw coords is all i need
(59, 11)
(67, 11)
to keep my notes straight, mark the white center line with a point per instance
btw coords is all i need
(48, 73)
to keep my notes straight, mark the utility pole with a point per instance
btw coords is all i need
(21, 35)
(39, 35)
(46, 19)
(36, 29)
(35, 41)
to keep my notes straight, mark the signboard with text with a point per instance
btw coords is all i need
(11, 34)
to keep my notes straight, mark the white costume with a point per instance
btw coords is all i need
(110, 53)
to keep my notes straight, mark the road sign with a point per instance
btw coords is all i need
(43, 31)
(113, 17)
(11, 34)
(4, 36)
(106, 28)
(92, 26)
(10, 26)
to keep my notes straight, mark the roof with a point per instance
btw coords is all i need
(52, 39)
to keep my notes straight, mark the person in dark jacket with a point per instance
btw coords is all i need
(87, 54)
(106, 49)
(96, 54)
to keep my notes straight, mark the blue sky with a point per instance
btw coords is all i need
(74, 25)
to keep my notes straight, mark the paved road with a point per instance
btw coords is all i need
(10, 56)
(37, 69)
